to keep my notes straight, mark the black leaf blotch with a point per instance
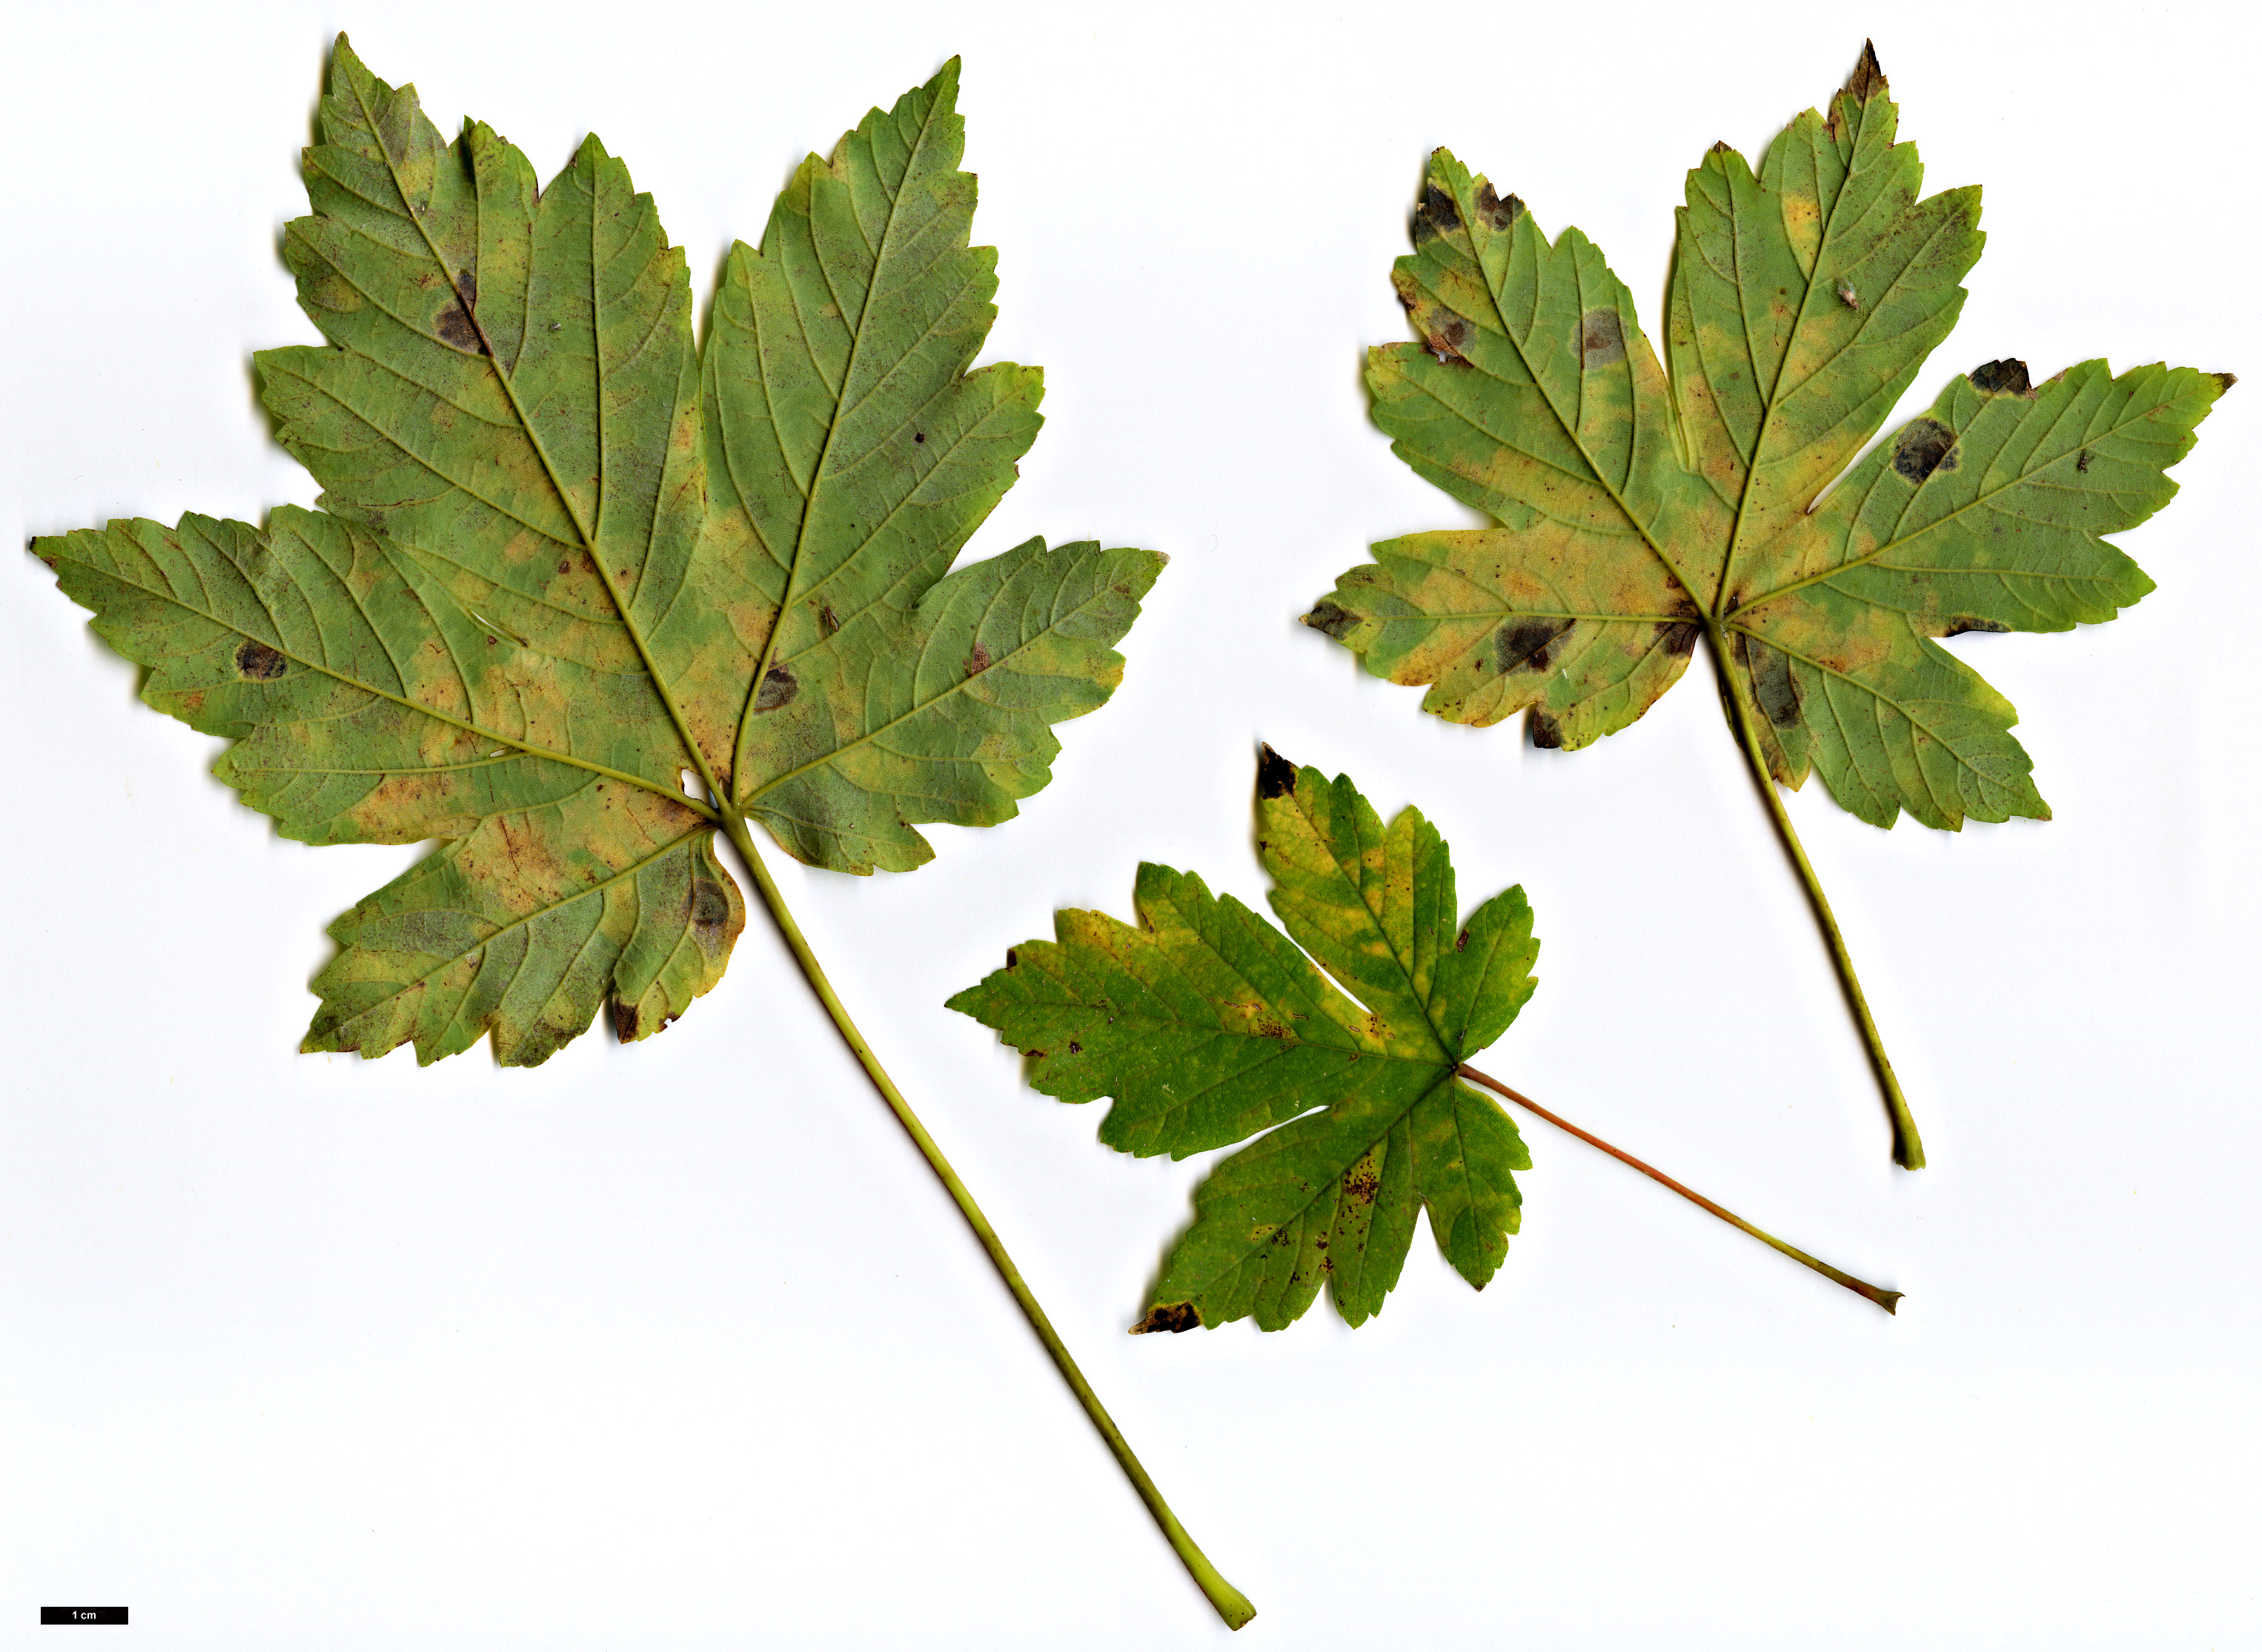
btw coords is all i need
(1438, 207)
(259, 662)
(1332, 617)
(1921, 448)
(1957, 628)
(1276, 775)
(1530, 645)
(2004, 378)
(1546, 733)
(1174, 1317)
(780, 687)
(1679, 637)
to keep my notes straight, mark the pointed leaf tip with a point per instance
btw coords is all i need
(1276, 775)
(2225, 379)
(1867, 78)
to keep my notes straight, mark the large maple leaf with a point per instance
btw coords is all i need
(1643, 508)
(583, 594)
(565, 558)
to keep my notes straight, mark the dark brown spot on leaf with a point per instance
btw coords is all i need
(780, 687)
(1866, 82)
(1546, 733)
(1461, 941)
(1773, 685)
(565, 567)
(1921, 448)
(259, 662)
(1332, 617)
(454, 325)
(1602, 339)
(1075, 1049)
(1498, 212)
(710, 907)
(978, 662)
(1362, 1184)
(1445, 340)
(1440, 208)
(1172, 1316)
(1276, 775)
(1530, 645)
(919, 435)
(2223, 380)
(1679, 637)
(624, 1021)
(1957, 628)
(2004, 378)
(2082, 462)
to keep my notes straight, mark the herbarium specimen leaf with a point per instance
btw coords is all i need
(1209, 1026)
(585, 592)
(1643, 507)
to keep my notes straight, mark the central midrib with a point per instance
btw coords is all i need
(747, 712)
(564, 498)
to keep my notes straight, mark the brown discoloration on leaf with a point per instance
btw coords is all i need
(1866, 81)
(1602, 339)
(978, 661)
(624, 1021)
(1925, 446)
(1530, 645)
(1679, 637)
(259, 663)
(2223, 381)
(2081, 461)
(1445, 337)
(1276, 775)
(1331, 617)
(1958, 627)
(780, 687)
(2004, 378)
(1546, 733)
(1172, 1316)
(1499, 214)
(710, 907)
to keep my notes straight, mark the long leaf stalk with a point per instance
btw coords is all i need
(1230, 1604)
(1908, 1146)
(1888, 1300)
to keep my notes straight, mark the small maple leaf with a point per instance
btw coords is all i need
(1207, 1025)
(567, 556)
(1643, 508)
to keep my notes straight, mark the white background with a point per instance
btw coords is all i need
(680, 1346)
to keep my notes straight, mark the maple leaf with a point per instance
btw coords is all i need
(1643, 508)
(560, 545)
(583, 594)
(1207, 1025)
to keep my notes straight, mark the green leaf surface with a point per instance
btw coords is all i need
(582, 591)
(1207, 1025)
(1643, 506)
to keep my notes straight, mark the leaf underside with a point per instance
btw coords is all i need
(1207, 1025)
(1642, 506)
(580, 586)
